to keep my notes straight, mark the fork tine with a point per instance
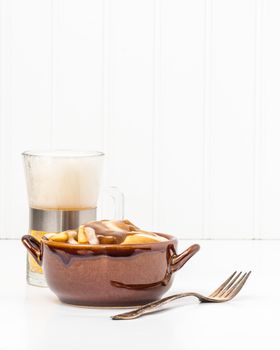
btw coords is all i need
(235, 285)
(235, 289)
(222, 285)
(222, 292)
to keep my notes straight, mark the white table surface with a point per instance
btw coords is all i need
(33, 318)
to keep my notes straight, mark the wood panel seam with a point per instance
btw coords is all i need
(207, 117)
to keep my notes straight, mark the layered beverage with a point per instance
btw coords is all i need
(63, 189)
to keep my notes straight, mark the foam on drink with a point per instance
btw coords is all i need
(63, 180)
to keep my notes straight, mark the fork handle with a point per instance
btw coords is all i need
(151, 307)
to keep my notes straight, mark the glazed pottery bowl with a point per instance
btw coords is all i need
(108, 275)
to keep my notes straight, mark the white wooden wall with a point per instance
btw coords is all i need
(182, 95)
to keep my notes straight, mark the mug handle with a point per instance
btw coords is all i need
(34, 247)
(179, 260)
(117, 200)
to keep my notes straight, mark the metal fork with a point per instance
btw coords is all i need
(225, 292)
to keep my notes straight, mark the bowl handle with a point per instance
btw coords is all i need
(179, 260)
(34, 247)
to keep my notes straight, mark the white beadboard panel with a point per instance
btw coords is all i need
(230, 140)
(270, 157)
(129, 100)
(25, 101)
(181, 95)
(258, 122)
(78, 74)
(181, 118)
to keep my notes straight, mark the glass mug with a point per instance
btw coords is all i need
(63, 189)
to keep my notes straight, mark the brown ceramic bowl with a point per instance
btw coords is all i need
(108, 275)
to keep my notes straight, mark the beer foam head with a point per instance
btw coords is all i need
(63, 179)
